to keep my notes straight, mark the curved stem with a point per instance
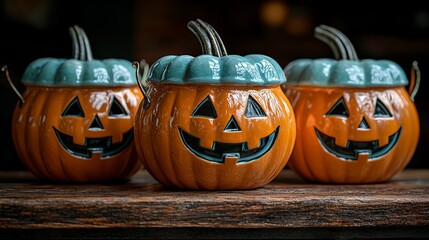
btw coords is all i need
(210, 41)
(328, 38)
(345, 40)
(21, 98)
(88, 50)
(343, 46)
(82, 54)
(202, 37)
(330, 43)
(75, 44)
(212, 38)
(415, 81)
(81, 46)
(222, 46)
(217, 41)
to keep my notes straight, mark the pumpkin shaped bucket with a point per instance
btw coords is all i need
(214, 121)
(74, 121)
(356, 122)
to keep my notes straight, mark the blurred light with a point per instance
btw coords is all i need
(300, 21)
(274, 13)
(32, 12)
(299, 25)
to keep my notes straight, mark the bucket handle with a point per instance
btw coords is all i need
(4, 69)
(414, 80)
(141, 80)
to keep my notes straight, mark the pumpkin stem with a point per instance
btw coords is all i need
(209, 39)
(81, 46)
(141, 81)
(332, 41)
(414, 81)
(4, 69)
(87, 45)
(338, 42)
(345, 40)
(202, 37)
(74, 42)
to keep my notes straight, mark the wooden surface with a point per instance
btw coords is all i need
(288, 207)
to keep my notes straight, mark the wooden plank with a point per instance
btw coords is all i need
(287, 202)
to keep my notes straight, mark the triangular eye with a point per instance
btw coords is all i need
(74, 109)
(205, 109)
(116, 109)
(339, 109)
(381, 111)
(253, 109)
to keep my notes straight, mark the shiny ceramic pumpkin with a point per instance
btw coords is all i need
(356, 122)
(215, 121)
(75, 120)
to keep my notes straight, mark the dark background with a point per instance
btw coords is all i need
(134, 30)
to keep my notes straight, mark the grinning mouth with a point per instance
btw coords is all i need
(220, 150)
(103, 145)
(354, 148)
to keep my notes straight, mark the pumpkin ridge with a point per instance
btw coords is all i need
(53, 174)
(155, 165)
(38, 107)
(22, 148)
(414, 128)
(302, 107)
(175, 96)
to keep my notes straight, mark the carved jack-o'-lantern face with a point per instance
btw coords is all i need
(220, 150)
(214, 121)
(75, 121)
(77, 134)
(355, 135)
(103, 144)
(215, 137)
(379, 117)
(356, 122)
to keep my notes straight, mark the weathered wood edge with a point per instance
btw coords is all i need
(400, 203)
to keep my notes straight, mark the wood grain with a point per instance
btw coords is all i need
(287, 202)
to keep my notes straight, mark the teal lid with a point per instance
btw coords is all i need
(214, 66)
(72, 72)
(252, 69)
(347, 73)
(346, 70)
(82, 70)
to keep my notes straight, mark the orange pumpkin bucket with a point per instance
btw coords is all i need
(74, 121)
(214, 121)
(356, 122)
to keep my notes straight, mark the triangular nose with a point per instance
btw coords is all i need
(363, 124)
(96, 124)
(232, 126)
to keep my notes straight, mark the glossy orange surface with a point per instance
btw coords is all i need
(77, 134)
(352, 135)
(205, 137)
